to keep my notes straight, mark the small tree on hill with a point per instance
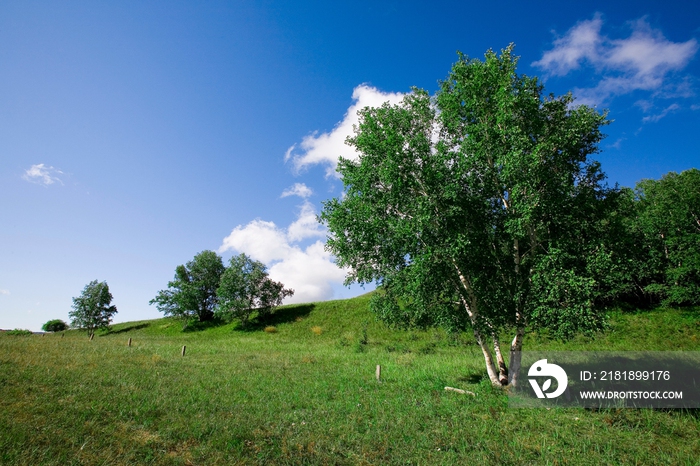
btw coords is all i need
(56, 325)
(245, 288)
(192, 293)
(92, 309)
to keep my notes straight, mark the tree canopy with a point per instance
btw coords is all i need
(204, 288)
(245, 287)
(92, 309)
(192, 293)
(55, 325)
(476, 208)
(668, 218)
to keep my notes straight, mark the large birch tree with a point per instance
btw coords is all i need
(476, 209)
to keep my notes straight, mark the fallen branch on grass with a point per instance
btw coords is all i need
(459, 390)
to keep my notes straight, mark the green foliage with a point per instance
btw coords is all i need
(92, 309)
(205, 290)
(459, 203)
(668, 218)
(56, 325)
(653, 250)
(18, 332)
(245, 288)
(192, 293)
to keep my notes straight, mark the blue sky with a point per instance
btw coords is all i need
(135, 134)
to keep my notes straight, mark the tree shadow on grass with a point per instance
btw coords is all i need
(279, 316)
(473, 378)
(197, 326)
(125, 329)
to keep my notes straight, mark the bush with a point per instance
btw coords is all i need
(56, 325)
(19, 332)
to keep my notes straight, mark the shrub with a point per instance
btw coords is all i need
(19, 332)
(56, 325)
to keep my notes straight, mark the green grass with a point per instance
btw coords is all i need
(297, 396)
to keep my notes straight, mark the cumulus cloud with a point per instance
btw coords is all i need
(310, 271)
(326, 148)
(306, 225)
(299, 189)
(41, 174)
(642, 61)
(261, 240)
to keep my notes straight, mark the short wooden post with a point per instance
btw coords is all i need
(379, 373)
(63, 335)
(183, 349)
(92, 335)
(129, 342)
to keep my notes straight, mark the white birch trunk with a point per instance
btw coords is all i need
(502, 368)
(472, 312)
(515, 357)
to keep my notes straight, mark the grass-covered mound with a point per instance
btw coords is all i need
(300, 388)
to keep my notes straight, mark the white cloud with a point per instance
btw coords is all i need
(306, 225)
(6, 292)
(299, 189)
(642, 61)
(41, 174)
(310, 271)
(581, 42)
(658, 116)
(617, 144)
(326, 148)
(261, 240)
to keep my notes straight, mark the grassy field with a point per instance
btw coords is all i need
(303, 391)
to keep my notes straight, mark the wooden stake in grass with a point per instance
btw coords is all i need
(379, 373)
(183, 350)
(129, 344)
(92, 335)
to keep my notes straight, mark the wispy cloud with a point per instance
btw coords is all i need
(643, 61)
(654, 118)
(326, 148)
(43, 175)
(617, 144)
(298, 189)
(310, 271)
(5, 292)
(582, 42)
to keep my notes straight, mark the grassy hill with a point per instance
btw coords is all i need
(301, 389)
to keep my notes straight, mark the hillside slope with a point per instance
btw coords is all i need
(307, 394)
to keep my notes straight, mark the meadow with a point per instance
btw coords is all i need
(301, 389)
